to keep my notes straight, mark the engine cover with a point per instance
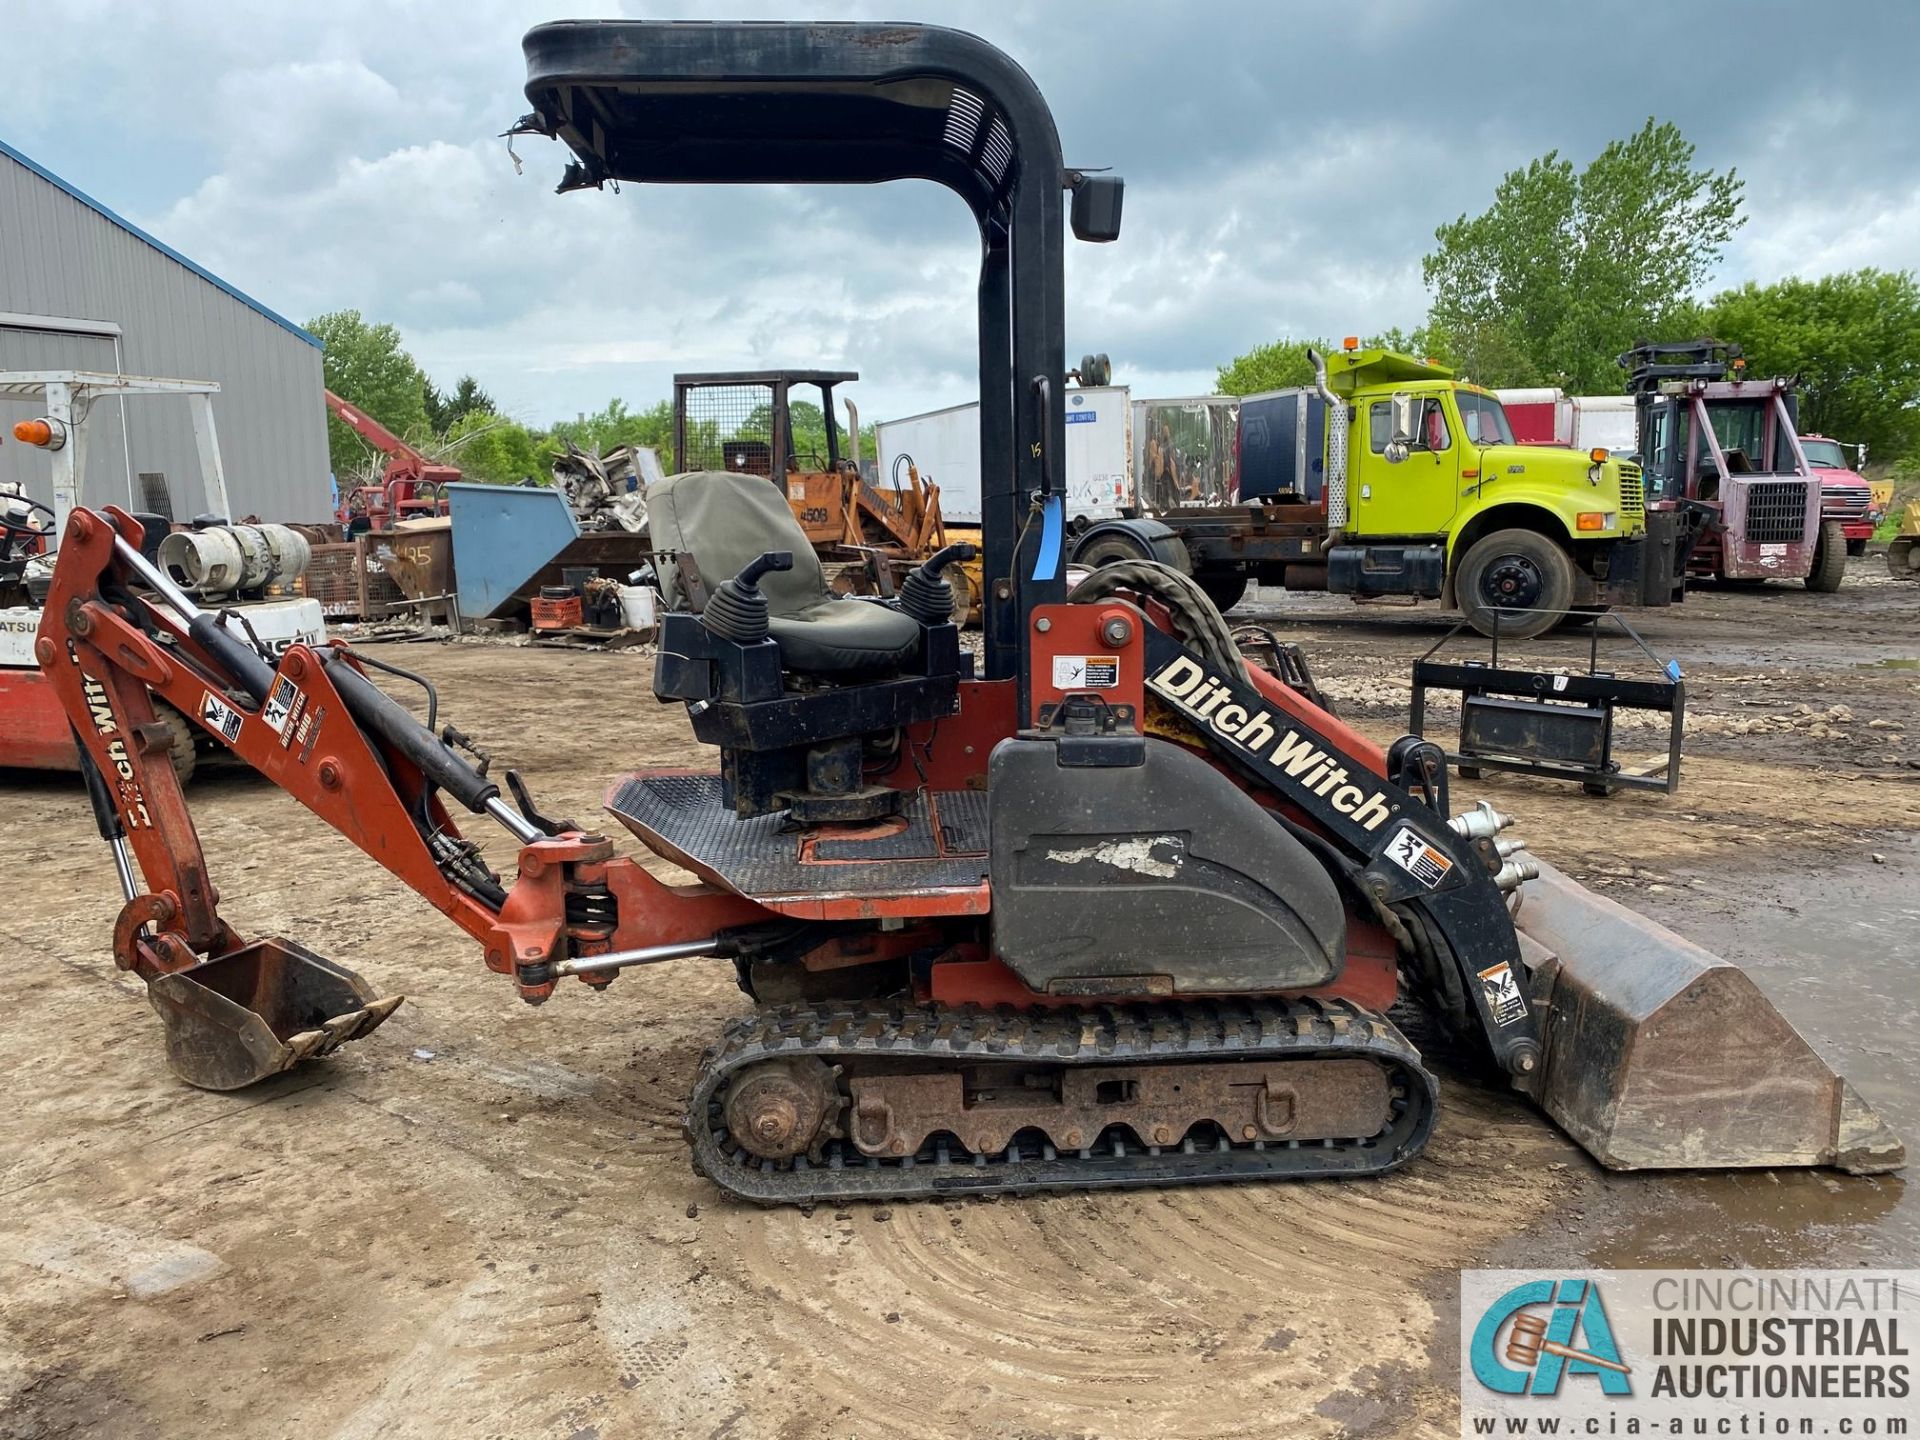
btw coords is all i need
(1160, 877)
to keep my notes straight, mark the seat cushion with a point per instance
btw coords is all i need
(725, 520)
(841, 637)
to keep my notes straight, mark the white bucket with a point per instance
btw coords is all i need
(636, 607)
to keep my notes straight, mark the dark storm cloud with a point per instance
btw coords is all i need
(1286, 168)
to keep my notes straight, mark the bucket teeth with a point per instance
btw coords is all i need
(334, 1033)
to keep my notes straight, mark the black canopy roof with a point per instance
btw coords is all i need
(832, 103)
(706, 102)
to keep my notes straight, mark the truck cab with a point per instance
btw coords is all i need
(1846, 497)
(1442, 502)
(1727, 448)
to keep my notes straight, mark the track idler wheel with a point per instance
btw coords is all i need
(780, 1109)
(238, 1018)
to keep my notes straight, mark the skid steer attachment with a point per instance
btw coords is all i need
(1662, 1056)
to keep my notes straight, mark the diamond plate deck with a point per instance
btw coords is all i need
(940, 847)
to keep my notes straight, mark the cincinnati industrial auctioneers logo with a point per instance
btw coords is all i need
(1538, 1334)
(1689, 1352)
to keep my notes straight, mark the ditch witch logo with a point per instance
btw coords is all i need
(1186, 684)
(1573, 1337)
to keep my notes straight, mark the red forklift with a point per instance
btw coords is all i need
(1726, 448)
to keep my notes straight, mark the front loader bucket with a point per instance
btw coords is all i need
(1662, 1056)
(259, 1010)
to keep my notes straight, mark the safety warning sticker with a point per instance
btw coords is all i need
(1086, 672)
(1424, 862)
(1503, 993)
(221, 717)
(280, 704)
(290, 727)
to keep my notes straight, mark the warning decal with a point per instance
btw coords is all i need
(1503, 994)
(280, 704)
(1424, 862)
(221, 717)
(1086, 672)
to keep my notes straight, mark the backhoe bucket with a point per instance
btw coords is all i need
(240, 1017)
(1662, 1056)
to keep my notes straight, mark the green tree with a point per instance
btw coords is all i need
(1854, 342)
(497, 450)
(446, 411)
(1566, 269)
(1282, 364)
(616, 425)
(370, 367)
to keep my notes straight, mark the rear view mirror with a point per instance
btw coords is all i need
(1401, 442)
(1096, 207)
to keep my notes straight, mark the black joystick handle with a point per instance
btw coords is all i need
(773, 560)
(737, 611)
(940, 559)
(926, 594)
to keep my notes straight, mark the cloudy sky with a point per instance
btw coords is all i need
(1286, 166)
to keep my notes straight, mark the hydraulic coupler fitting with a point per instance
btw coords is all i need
(1482, 822)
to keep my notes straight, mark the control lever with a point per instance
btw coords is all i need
(737, 611)
(926, 594)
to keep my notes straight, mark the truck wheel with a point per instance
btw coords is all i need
(1856, 547)
(1514, 569)
(1116, 546)
(180, 739)
(1223, 587)
(1829, 559)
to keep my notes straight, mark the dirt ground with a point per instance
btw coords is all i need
(481, 1221)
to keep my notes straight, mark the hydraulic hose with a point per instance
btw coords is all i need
(1196, 619)
(380, 714)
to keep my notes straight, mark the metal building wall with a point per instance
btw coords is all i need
(60, 257)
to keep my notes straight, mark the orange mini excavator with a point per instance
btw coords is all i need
(1120, 909)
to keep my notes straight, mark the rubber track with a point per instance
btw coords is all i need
(945, 1037)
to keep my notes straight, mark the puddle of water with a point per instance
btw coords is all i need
(1838, 951)
(1900, 664)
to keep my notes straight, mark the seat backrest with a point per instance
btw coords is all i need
(725, 520)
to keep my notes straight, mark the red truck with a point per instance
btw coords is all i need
(1845, 495)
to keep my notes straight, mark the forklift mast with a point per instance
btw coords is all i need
(858, 104)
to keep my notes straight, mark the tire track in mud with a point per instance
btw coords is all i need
(496, 1239)
(1064, 1307)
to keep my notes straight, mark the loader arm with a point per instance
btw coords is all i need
(318, 728)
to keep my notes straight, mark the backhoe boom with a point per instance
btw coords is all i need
(318, 728)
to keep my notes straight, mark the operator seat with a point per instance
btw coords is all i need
(725, 520)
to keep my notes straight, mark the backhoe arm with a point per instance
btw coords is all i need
(317, 727)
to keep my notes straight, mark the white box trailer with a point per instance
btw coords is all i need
(1606, 421)
(1584, 422)
(944, 446)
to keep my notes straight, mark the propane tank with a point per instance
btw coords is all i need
(223, 559)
